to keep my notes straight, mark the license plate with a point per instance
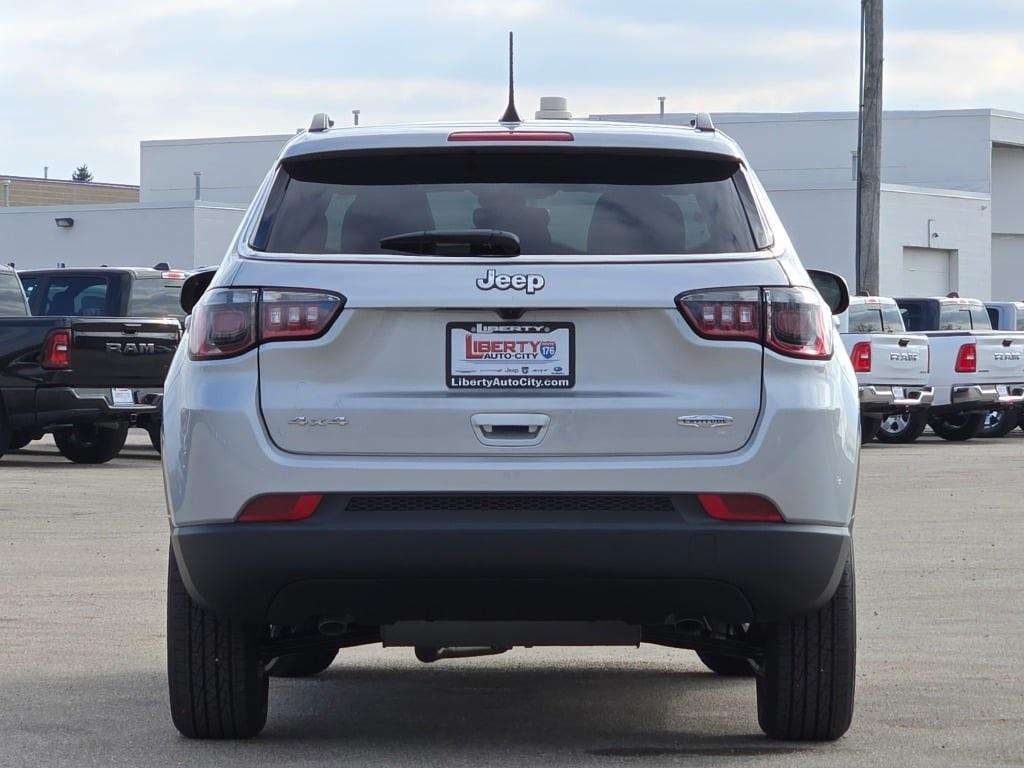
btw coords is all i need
(119, 396)
(535, 355)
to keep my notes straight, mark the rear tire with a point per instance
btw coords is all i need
(869, 426)
(19, 439)
(902, 427)
(999, 423)
(958, 427)
(154, 436)
(91, 444)
(217, 682)
(805, 690)
(5, 433)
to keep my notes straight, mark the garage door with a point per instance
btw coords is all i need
(926, 271)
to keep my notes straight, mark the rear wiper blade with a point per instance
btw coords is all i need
(454, 242)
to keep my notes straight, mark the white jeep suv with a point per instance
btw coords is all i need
(464, 388)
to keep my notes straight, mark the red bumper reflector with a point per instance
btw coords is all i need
(739, 507)
(280, 507)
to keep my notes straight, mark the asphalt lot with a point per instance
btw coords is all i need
(940, 552)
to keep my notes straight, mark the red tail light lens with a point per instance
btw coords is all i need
(280, 508)
(57, 351)
(739, 507)
(296, 314)
(792, 321)
(224, 322)
(798, 323)
(861, 357)
(724, 314)
(967, 359)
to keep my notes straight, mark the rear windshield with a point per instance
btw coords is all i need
(580, 202)
(86, 295)
(875, 318)
(963, 317)
(12, 299)
(156, 297)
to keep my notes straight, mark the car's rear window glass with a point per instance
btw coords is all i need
(12, 299)
(875, 318)
(155, 297)
(1020, 319)
(85, 295)
(963, 317)
(579, 202)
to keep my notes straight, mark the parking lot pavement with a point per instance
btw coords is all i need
(940, 552)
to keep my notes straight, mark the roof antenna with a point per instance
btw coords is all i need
(510, 116)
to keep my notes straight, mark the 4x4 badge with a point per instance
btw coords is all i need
(528, 283)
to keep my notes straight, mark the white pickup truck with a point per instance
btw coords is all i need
(974, 370)
(891, 367)
(1004, 316)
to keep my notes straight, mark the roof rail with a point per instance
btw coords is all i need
(320, 123)
(702, 122)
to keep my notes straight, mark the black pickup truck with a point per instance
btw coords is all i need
(83, 354)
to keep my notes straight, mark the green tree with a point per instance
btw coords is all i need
(82, 173)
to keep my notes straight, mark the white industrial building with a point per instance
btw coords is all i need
(952, 209)
(952, 214)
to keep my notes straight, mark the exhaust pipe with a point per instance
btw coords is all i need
(427, 654)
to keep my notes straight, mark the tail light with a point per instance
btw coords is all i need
(510, 136)
(57, 350)
(861, 357)
(739, 507)
(280, 508)
(791, 321)
(230, 321)
(967, 359)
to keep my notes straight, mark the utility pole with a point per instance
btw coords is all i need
(869, 146)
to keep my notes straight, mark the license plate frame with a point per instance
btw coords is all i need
(507, 373)
(122, 396)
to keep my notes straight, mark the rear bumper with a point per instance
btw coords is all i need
(393, 570)
(980, 397)
(60, 406)
(886, 398)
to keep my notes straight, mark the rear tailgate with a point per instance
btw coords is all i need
(1000, 356)
(895, 358)
(643, 382)
(122, 352)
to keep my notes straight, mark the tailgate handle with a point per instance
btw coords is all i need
(1007, 342)
(510, 428)
(130, 328)
(904, 342)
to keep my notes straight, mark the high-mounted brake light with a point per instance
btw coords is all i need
(511, 136)
(861, 357)
(57, 351)
(280, 508)
(791, 321)
(967, 358)
(739, 507)
(230, 321)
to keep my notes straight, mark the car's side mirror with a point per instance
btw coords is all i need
(832, 288)
(194, 287)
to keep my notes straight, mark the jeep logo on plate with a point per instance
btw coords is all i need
(529, 283)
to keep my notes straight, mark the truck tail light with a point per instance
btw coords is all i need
(57, 350)
(230, 321)
(739, 507)
(510, 136)
(967, 358)
(861, 357)
(791, 321)
(280, 508)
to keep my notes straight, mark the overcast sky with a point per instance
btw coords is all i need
(85, 81)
